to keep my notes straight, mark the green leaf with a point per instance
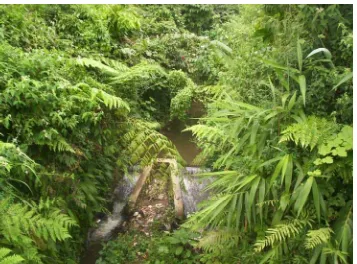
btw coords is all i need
(272, 87)
(261, 196)
(288, 173)
(344, 79)
(324, 149)
(279, 66)
(178, 251)
(339, 151)
(299, 55)
(284, 97)
(316, 195)
(292, 101)
(253, 134)
(277, 170)
(302, 84)
(328, 160)
(326, 52)
(163, 249)
(303, 195)
(252, 194)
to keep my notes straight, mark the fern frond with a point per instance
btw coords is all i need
(220, 240)
(144, 145)
(280, 233)
(222, 46)
(5, 259)
(110, 67)
(208, 133)
(111, 101)
(4, 252)
(309, 133)
(61, 145)
(18, 222)
(141, 72)
(317, 237)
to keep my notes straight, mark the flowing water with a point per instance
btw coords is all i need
(192, 189)
(107, 227)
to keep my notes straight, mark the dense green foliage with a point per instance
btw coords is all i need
(278, 128)
(158, 248)
(84, 90)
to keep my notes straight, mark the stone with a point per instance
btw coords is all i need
(167, 226)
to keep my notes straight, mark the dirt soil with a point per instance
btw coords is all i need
(153, 209)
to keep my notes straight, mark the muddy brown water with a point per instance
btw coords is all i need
(183, 141)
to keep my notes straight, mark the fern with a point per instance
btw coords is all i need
(219, 241)
(54, 140)
(208, 133)
(182, 101)
(111, 67)
(120, 74)
(317, 237)
(309, 133)
(5, 259)
(139, 73)
(110, 101)
(19, 223)
(144, 145)
(281, 233)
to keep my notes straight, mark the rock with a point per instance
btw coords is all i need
(136, 214)
(141, 212)
(160, 197)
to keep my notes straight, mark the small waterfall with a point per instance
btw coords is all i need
(120, 196)
(107, 227)
(193, 191)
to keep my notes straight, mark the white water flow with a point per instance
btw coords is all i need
(120, 198)
(192, 192)
(193, 188)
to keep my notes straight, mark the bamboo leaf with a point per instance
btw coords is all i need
(302, 84)
(272, 87)
(288, 173)
(299, 55)
(292, 101)
(344, 79)
(326, 52)
(277, 170)
(279, 66)
(303, 195)
(261, 196)
(316, 196)
(253, 191)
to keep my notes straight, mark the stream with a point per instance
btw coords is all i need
(191, 187)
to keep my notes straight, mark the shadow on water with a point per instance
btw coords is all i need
(92, 253)
(184, 140)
